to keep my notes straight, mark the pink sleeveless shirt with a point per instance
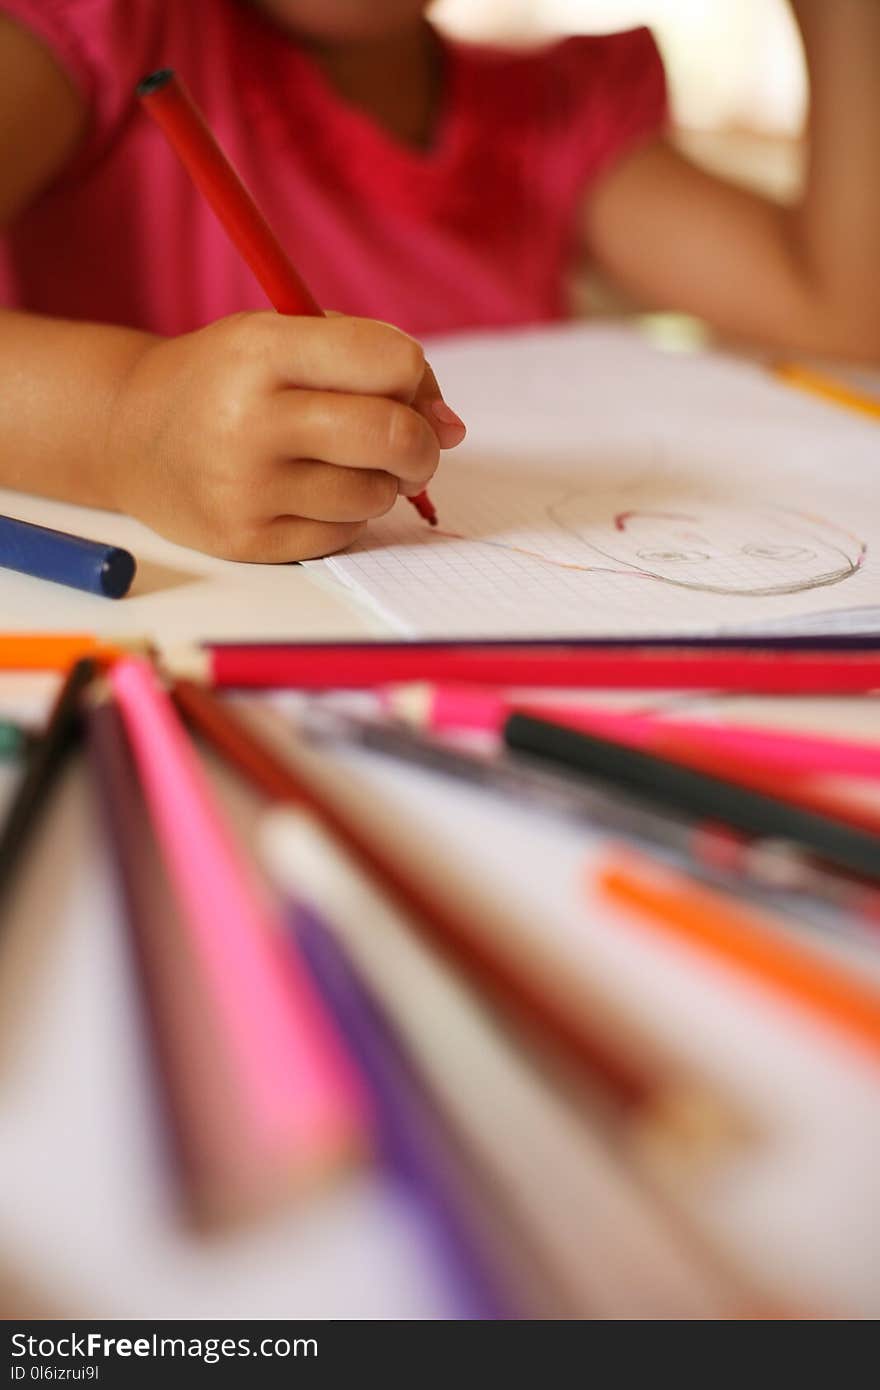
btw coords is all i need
(477, 231)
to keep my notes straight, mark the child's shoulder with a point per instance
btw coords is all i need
(581, 65)
(106, 46)
(577, 104)
(84, 32)
(101, 44)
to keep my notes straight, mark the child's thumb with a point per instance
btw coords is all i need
(428, 401)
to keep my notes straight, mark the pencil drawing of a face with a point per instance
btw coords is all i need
(716, 548)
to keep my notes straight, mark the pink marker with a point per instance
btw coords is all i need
(463, 707)
(297, 1086)
(445, 708)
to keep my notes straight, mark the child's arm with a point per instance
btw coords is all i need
(806, 277)
(258, 438)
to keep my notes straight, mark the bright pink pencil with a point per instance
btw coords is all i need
(304, 1103)
(444, 708)
(447, 708)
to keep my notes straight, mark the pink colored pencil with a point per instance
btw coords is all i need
(302, 1101)
(444, 708)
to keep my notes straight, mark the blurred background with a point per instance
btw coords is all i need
(736, 69)
(737, 83)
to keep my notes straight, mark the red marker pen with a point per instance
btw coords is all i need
(173, 109)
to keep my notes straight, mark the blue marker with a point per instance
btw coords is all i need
(82, 564)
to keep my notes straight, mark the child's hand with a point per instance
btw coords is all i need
(267, 438)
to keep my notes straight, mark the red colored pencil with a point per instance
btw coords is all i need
(810, 793)
(359, 665)
(173, 109)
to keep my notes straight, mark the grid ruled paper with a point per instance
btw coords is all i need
(606, 488)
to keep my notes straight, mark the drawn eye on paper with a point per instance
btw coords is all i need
(758, 550)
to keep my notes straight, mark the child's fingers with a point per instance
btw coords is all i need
(296, 538)
(338, 354)
(284, 539)
(324, 492)
(428, 401)
(353, 432)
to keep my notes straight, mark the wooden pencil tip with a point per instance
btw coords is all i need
(99, 691)
(686, 1131)
(288, 835)
(111, 649)
(412, 703)
(184, 662)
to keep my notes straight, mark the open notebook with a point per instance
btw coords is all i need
(609, 488)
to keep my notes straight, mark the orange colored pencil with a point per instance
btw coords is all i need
(827, 388)
(738, 937)
(52, 651)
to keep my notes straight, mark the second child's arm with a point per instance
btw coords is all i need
(257, 438)
(804, 277)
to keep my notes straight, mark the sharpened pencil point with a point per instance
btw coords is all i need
(425, 507)
(686, 1130)
(411, 703)
(184, 662)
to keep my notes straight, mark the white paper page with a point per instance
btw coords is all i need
(608, 488)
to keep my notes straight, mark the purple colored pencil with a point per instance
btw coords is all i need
(412, 1139)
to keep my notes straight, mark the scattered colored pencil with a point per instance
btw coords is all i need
(768, 867)
(413, 1140)
(736, 936)
(52, 651)
(606, 1062)
(44, 764)
(94, 566)
(669, 784)
(827, 388)
(13, 740)
(328, 666)
(581, 1231)
(442, 708)
(766, 642)
(172, 107)
(808, 793)
(698, 745)
(223, 1176)
(305, 1111)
